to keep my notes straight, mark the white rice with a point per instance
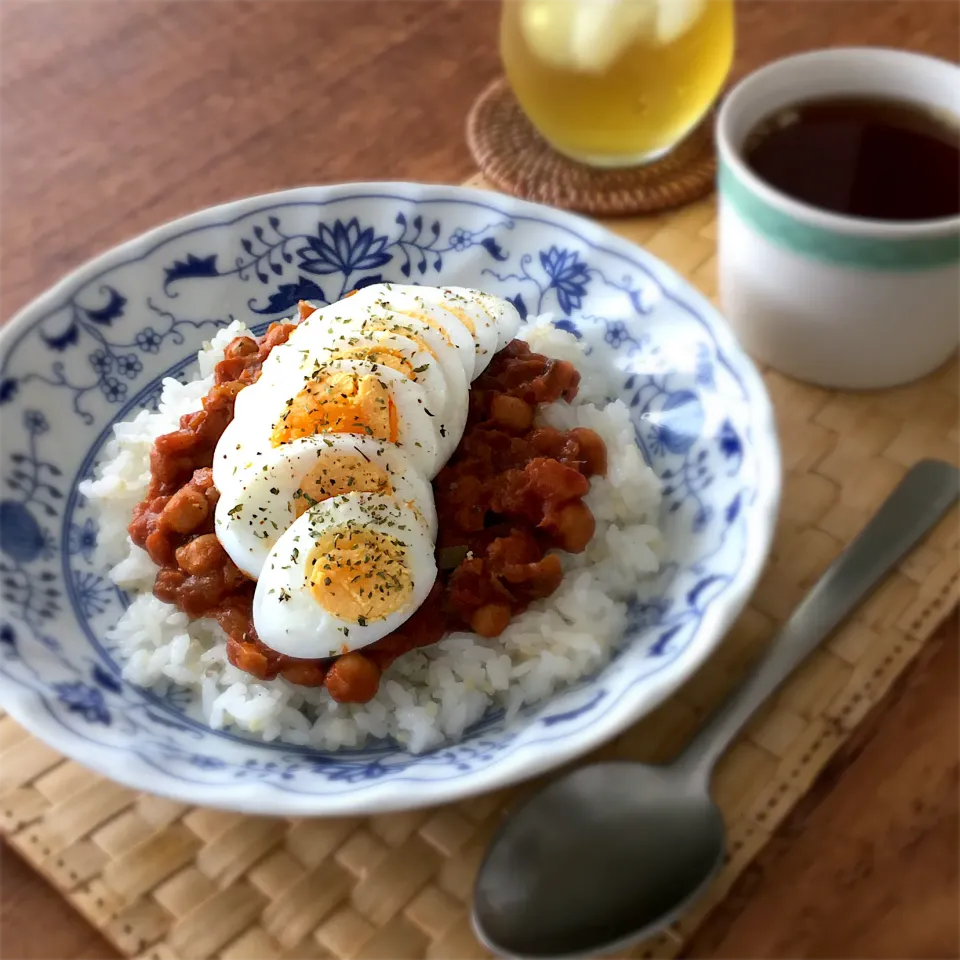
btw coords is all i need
(430, 695)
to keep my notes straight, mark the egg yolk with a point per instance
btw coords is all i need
(359, 575)
(380, 355)
(339, 402)
(336, 475)
(461, 315)
(384, 325)
(425, 317)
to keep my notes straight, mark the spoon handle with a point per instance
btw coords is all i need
(919, 501)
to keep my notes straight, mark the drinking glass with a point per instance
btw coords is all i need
(616, 83)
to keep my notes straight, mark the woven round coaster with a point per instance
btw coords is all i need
(515, 159)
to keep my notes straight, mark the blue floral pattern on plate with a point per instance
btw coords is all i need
(95, 349)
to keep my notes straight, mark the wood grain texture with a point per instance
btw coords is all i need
(116, 116)
(866, 865)
(36, 923)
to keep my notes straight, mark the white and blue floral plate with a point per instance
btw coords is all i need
(93, 350)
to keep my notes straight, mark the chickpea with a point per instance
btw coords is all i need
(511, 413)
(491, 619)
(593, 451)
(186, 510)
(201, 555)
(304, 673)
(167, 585)
(545, 576)
(568, 377)
(353, 679)
(574, 526)
(245, 656)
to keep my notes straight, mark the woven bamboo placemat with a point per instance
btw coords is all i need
(162, 880)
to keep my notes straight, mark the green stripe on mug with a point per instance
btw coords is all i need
(871, 253)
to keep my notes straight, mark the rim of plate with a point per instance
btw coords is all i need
(528, 760)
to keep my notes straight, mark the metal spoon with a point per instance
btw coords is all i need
(613, 852)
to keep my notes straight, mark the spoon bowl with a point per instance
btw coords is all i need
(566, 874)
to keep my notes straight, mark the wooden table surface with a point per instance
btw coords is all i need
(116, 116)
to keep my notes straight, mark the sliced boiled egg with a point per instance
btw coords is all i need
(347, 396)
(358, 397)
(364, 365)
(491, 313)
(424, 308)
(440, 316)
(437, 371)
(284, 482)
(347, 572)
(462, 303)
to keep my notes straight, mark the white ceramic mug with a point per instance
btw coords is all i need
(840, 301)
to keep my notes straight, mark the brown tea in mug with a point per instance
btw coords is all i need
(864, 157)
